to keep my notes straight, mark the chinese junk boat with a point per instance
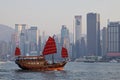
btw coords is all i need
(39, 62)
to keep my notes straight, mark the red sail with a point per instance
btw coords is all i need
(17, 51)
(50, 47)
(64, 52)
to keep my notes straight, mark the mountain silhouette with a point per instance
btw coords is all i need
(5, 33)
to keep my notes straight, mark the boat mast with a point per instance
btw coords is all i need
(50, 47)
(53, 54)
(52, 58)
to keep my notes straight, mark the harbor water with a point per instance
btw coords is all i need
(72, 71)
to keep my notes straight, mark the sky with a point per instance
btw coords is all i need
(50, 15)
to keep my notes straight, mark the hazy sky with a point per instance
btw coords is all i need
(49, 15)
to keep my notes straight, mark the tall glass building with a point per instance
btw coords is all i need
(20, 36)
(19, 29)
(113, 42)
(93, 34)
(65, 39)
(78, 32)
(78, 28)
(33, 40)
(104, 41)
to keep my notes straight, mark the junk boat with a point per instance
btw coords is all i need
(39, 62)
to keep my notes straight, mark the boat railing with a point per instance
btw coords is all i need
(31, 57)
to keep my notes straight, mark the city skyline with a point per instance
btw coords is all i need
(52, 14)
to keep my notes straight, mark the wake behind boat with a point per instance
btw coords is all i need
(39, 62)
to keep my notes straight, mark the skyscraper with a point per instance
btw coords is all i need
(33, 40)
(78, 32)
(20, 33)
(83, 47)
(104, 41)
(113, 42)
(19, 28)
(39, 45)
(78, 28)
(65, 39)
(93, 34)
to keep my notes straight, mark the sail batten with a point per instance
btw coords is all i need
(64, 52)
(50, 47)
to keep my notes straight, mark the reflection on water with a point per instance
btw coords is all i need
(72, 71)
(42, 75)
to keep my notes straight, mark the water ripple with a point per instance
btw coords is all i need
(73, 71)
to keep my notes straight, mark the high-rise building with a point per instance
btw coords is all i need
(104, 41)
(78, 28)
(39, 45)
(43, 40)
(113, 39)
(78, 32)
(3, 50)
(20, 36)
(65, 39)
(58, 45)
(12, 45)
(83, 47)
(64, 36)
(93, 34)
(19, 28)
(33, 40)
